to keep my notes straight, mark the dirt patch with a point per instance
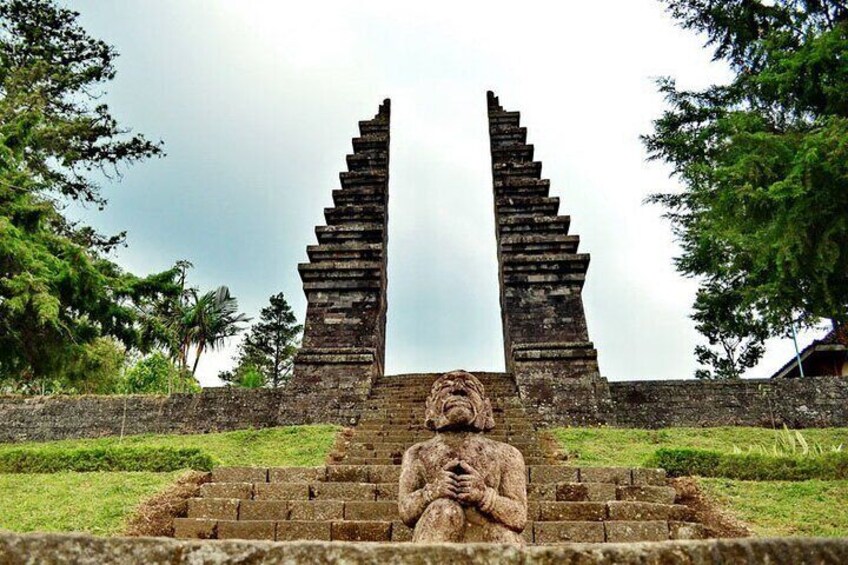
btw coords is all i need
(155, 516)
(718, 522)
(339, 450)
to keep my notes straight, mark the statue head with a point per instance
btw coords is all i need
(458, 401)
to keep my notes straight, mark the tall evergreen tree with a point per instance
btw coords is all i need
(763, 162)
(58, 292)
(269, 346)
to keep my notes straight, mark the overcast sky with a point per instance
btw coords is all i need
(257, 101)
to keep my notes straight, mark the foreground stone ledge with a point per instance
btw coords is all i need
(19, 549)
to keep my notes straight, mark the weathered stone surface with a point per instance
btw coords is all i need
(247, 529)
(553, 474)
(384, 511)
(560, 532)
(461, 486)
(213, 508)
(686, 530)
(581, 511)
(361, 531)
(304, 530)
(296, 474)
(193, 528)
(263, 510)
(226, 490)
(609, 475)
(636, 531)
(593, 492)
(281, 491)
(348, 473)
(311, 510)
(627, 510)
(343, 491)
(21, 549)
(239, 475)
(660, 495)
(652, 477)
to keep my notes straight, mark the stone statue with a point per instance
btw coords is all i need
(461, 486)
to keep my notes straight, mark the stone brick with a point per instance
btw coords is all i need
(250, 529)
(348, 473)
(387, 491)
(239, 475)
(296, 474)
(401, 532)
(384, 473)
(195, 528)
(386, 511)
(594, 492)
(263, 510)
(660, 495)
(625, 510)
(652, 477)
(361, 531)
(542, 491)
(553, 474)
(343, 491)
(281, 491)
(562, 511)
(226, 490)
(686, 530)
(310, 510)
(527, 533)
(213, 508)
(609, 475)
(303, 530)
(619, 532)
(560, 532)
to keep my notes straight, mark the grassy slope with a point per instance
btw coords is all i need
(772, 508)
(99, 502)
(777, 508)
(631, 448)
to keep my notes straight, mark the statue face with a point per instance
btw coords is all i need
(458, 402)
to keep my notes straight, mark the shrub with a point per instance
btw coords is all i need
(751, 466)
(54, 459)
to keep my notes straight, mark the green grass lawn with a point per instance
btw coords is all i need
(632, 448)
(96, 503)
(779, 508)
(272, 447)
(99, 503)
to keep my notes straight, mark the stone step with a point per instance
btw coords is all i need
(359, 195)
(340, 270)
(397, 461)
(344, 233)
(350, 501)
(355, 214)
(363, 178)
(527, 205)
(504, 119)
(345, 251)
(544, 263)
(539, 243)
(373, 126)
(371, 142)
(377, 159)
(517, 153)
(527, 169)
(385, 488)
(522, 223)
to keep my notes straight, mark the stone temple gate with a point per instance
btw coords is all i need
(541, 274)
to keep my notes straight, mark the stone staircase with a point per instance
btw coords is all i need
(354, 497)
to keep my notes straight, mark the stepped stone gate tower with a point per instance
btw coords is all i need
(541, 274)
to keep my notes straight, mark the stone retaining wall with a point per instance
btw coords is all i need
(815, 402)
(89, 550)
(798, 403)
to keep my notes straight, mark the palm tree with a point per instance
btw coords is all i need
(214, 319)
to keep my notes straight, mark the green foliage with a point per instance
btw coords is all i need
(625, 447)
(779, 508)
(96, 503)
(292, 446)
(750, 466)
(58, 293)
(764, 166)
(269, 347)
(140, 458)
(156, 374)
